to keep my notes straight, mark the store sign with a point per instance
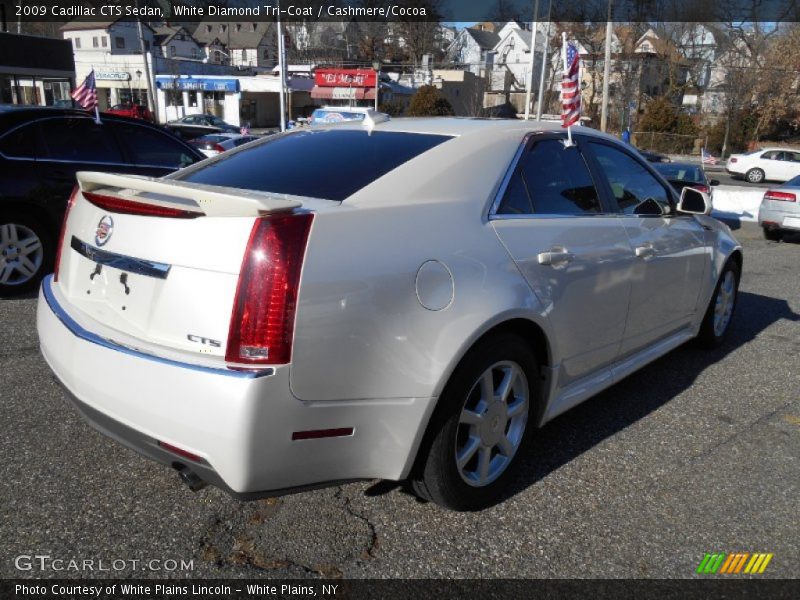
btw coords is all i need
(345, 77)
(344, 93)
(112, 75)
(198, 84)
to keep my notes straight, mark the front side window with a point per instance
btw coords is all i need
(631, 183)
(552, 180)
(80, 140)
(331, 163)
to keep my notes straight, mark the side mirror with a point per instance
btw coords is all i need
(694, 202)
(714, 182)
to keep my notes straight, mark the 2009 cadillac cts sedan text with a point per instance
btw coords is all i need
(405, 299)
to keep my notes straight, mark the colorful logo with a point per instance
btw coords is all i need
(104, 230)
(733, 564)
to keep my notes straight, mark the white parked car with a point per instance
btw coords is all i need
(779, 212)
(770, 164)
(407, 300)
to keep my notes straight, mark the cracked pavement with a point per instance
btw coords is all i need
(696, 453)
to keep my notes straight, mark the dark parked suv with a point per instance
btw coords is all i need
(41, 149)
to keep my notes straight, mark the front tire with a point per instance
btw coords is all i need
(26, 253)
(716, 322)
(754, 176)
(481, 426)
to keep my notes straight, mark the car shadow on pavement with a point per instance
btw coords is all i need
(580, 429)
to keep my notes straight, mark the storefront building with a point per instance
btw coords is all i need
(35, 70)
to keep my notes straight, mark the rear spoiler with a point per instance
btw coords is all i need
(203, 199)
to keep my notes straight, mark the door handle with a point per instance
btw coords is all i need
(555, 256)
(645, 251)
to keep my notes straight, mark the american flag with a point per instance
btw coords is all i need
(86, 93)
(707, 158)
(570, 88)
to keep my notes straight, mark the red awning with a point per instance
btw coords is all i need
(338, 93)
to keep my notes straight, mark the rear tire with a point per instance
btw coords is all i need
(754, 176)
(26, 253)
(481, 426)
(719, 314)
(773, 234)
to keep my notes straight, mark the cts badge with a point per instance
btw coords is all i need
(104, 230)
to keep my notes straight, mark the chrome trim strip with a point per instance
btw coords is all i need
(139, 266)
(78, 331)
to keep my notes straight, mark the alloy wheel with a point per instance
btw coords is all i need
(492, 423)
(21, 254)
(726, 298)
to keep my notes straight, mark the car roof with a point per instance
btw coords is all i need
(458, 126)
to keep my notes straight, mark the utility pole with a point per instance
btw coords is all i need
(606, 72)
(533, 60)
(540, 99)
(281, 71)
(151, 105)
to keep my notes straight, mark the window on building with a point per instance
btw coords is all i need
(253, 26)
(208, 28)
(238, 27)
(95, 42)
(146, 46)
(119, 42)
(104, 41)
(266, 53)
(244, 55)
(77, 41)
(223, 28)
(194, 52)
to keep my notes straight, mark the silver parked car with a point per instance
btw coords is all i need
(406, 299)
(779, 212)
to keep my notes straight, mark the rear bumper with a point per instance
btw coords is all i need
(777, 217)
(239, 425)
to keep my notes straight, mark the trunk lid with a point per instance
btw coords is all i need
(168, 281)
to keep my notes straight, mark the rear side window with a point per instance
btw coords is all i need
(80, 140)
(330, 164)
(148, 147)
(23, 142)
(553, 180)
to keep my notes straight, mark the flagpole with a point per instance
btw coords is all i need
(97, 102)
(566, 70)
(281, 71)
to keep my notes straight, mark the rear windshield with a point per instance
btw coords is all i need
(679, 172)
(331, 164)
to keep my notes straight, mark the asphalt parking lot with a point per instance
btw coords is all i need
(696, 453)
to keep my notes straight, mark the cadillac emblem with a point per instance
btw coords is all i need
(104, 230)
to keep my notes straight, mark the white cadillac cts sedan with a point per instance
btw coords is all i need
(407, 300)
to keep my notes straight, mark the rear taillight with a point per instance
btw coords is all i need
(262, 321)
(130, 207)
(70, 204)
(218, 148)
(702, 188)
(780, 196)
